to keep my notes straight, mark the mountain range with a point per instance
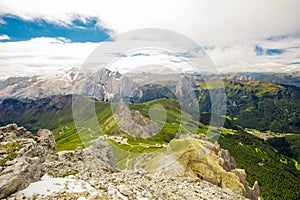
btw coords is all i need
(261, 129)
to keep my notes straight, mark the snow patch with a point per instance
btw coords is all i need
(49, 185)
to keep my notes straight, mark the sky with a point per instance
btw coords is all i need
(43, 37)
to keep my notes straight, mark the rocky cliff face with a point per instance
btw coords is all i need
(106, 85)
(134, 123)
(33, 87)
(22, 157)
(103, 85)
(198, 159)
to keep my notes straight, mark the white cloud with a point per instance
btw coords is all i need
(242, 57)
(44, 56)
(206, 21)
(231, 27)
(4, 37)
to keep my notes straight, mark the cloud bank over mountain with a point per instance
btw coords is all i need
(230, 31)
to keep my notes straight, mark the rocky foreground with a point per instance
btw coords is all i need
(30, 168)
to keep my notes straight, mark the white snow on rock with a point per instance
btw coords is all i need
(49, 185)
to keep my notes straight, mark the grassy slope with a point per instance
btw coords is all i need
(277, 175)
(260, 105)
(264, 105)
(54, 114)
(68, 137)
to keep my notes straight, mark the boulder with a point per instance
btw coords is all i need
(125, 190)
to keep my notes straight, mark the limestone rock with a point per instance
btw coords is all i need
(107, 86)
(199, 160)
(46, 139)
(103, 85)
(252, 193)
(228, 163)
(103, 152)
(94, 160)
(134, 123)
(241, 174)
(28, 153)
(125, 190)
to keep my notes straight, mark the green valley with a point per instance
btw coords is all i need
(273, 162)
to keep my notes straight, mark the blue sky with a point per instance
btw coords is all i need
(18, 29)
(53, 35)
(260, 51)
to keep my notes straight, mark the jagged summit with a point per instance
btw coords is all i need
(103, 85)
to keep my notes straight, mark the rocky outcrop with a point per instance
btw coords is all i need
(185, 92)
(227, 162)
(185, 87)
(131, 185)
(200, 160)
(106, 85)
(103, 152)
(25, 157)
(93, 161)
(134, 123)
(22, 161)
